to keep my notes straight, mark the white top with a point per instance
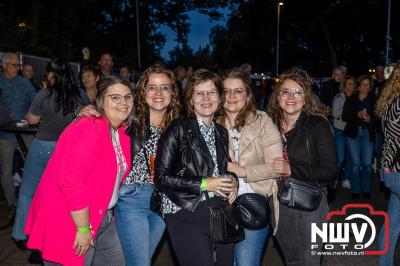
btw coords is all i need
(337, 110)
(235, 138)
(121, 164)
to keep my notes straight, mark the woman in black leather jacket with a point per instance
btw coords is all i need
(309, 147)
(191, 153)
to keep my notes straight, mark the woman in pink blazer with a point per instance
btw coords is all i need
(70, 219)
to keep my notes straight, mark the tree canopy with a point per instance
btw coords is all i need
(314, 34)
(63, 27)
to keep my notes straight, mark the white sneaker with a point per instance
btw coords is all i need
(346, 184)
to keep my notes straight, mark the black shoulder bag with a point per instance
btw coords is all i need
(299, 194)
(224, 226)
(254, 210)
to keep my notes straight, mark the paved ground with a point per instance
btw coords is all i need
(11, 256)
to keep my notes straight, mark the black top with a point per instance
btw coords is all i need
(183, 159)
(352, 105)
(311, 149)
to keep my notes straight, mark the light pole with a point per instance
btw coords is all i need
(138, 36)
(277, 37)
(388, 38)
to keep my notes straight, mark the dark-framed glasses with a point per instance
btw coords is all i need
(117, 98)
(297, 93)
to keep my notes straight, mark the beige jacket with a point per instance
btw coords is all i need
(260, 143)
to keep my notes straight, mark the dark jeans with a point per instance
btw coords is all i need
(190, 237)
(294, 233)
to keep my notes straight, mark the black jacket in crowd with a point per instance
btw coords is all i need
(349, 115)
(311, 149)
(183, 159)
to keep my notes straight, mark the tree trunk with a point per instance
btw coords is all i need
(332, 49)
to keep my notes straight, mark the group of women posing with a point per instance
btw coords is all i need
(171, 162)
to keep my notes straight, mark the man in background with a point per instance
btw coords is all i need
(28, 72)
(17, 94)
(331, 87)
(106, 64)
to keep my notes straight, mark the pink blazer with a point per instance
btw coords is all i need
(80, 173)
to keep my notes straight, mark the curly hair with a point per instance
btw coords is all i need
(201, 76)
(249, 109)
(141, 107)
(301, 77)
(391, 90)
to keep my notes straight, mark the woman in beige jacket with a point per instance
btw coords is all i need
(256, 154)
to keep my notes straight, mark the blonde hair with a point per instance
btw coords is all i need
(391, 90)
(249, 110)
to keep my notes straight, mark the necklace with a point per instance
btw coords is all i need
(288, 129)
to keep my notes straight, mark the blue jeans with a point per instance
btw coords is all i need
(342, 156)
(249, 251)
(392, 181)
(35, 163)
(139, 228)
(361, 151)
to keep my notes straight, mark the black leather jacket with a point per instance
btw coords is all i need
(312, 150)
(137, 141)
(183, 159)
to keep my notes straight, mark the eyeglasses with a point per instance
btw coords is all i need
(238, 91)
(155, 88)
(203, 94)
(297, 93)
(16, 65)
(117, 98)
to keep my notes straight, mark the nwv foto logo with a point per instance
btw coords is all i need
(336, 235)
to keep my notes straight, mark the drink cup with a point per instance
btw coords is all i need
(229, 176)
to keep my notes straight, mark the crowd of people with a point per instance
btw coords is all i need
(119, 158)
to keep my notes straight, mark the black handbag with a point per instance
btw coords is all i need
(254, 211)
(224, 225)
(299, 194)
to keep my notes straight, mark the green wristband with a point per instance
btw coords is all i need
(203, 186)
(83, 229)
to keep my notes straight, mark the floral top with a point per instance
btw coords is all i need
(208, 133)
(140, 172)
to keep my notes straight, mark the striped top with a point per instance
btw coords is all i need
(391, 131)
